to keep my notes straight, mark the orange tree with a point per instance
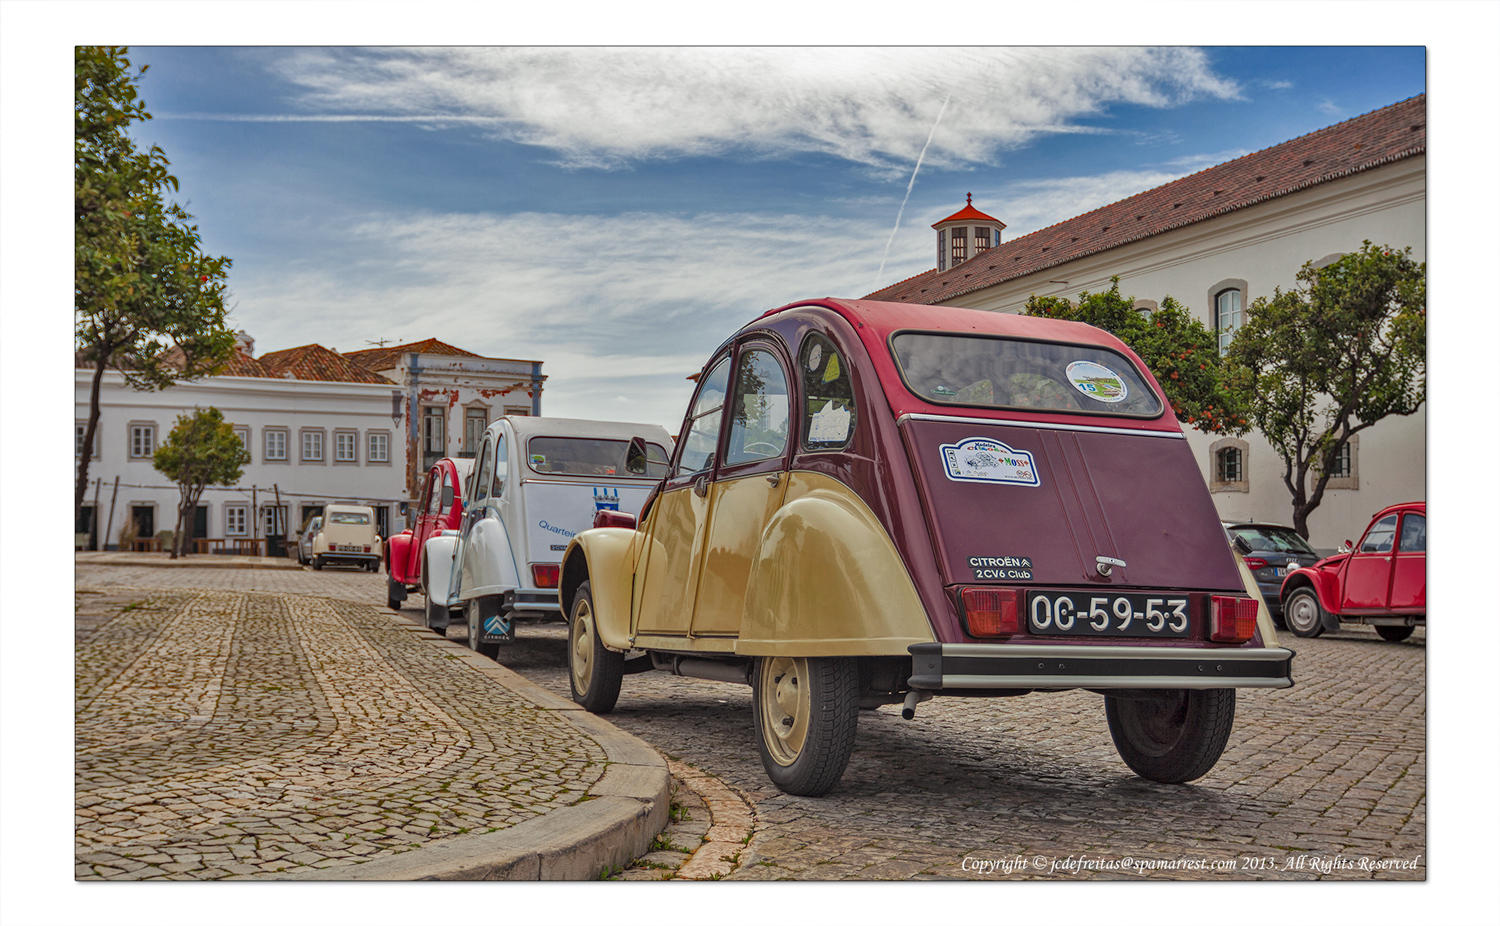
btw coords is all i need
(1317, 364)
(147, 301)
(1176, 347)
(202, 450)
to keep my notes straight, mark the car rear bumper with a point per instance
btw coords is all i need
(363, 559)
(533, 599)
(937, 666)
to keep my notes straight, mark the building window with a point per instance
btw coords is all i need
(236, 520)
(434, 434)
(1228, 299)
(275, 444)
(1229, 460)
(273, 520)
(475, 421)
(79, 427)
(518, 410)
(142, 440)
(312, 445)
(1345, 473)
(960, 248)
(378, 448)
(981, 238)
(942, 249)
(243, 433)
(346, 446)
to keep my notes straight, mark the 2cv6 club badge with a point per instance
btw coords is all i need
(838, 527)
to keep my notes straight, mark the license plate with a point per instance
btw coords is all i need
(1082, 614)
(1280, 571)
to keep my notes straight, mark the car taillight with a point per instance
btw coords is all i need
(1233, 619)
(545, 574)
(367, 548)
(992, 612)
(1255, 562)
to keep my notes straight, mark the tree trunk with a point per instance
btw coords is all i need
(87, 452)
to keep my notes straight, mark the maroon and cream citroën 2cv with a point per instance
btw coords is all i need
(874, 503)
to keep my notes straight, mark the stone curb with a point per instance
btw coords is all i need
(624, 811)
(204, 560)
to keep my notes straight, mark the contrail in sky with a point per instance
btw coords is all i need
(875, 283)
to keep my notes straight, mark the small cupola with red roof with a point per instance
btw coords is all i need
(964, 234)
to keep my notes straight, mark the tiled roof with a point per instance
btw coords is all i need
(239, 364)
(385, 358)
(1364, 142)
(316, 362)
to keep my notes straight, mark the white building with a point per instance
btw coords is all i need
(1215, 241)
(319, 427)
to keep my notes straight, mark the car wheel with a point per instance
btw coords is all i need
(393, 594)
(474, 618)
(1394, 634)
(1303, 613)
(806, 711)
(317, 563)
(1171, 736)
(436, 616)
(594, 671)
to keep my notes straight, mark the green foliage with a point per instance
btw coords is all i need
(202, 450)
(1340, 351)
(147, 300)
(1176, 347)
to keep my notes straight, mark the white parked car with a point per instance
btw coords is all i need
(535, 484)
(347, 537)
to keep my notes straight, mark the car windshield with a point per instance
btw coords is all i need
(989, 372)
(590, 456)
(348, 517)
(1273, 539)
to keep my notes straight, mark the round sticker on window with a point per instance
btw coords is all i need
(1098, 382)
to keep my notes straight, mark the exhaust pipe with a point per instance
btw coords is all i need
(913, 698)
(716, 670)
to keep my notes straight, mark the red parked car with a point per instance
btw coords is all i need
(1381, 582)
(441, 508)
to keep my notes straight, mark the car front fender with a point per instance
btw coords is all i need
(605, 557)
(1323, 582)
(828, 581)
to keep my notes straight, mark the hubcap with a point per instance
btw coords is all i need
(1302, 614)
(785, 707)
(581, 641)
(1158, 722)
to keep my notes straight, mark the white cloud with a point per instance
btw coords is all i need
(604, 107)
(628, 304)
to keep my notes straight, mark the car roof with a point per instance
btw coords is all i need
(875, 322)
(344, 507)
(532, 426)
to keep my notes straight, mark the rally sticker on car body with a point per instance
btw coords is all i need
(1097, 381)
(983, 459)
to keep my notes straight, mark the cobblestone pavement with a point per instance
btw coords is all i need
(1327, 774)
(223, 732)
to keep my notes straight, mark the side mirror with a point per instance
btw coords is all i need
(1242, 545)
(635, 457)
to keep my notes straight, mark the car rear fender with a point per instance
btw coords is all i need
(1263, 622)
(828, 581)
(605, 558)
(398, 558)
(489, 562)
(437, 553)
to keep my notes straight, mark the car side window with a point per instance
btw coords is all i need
(762, 409)
(434, 492)
(1380, 536)
(702, 437)
(479, 479)
(828, 415)
(1414, 533)
(502, 467)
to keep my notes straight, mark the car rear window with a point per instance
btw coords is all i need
(348, 517)
(590, 456)
(1273, 539)
(1046, 376)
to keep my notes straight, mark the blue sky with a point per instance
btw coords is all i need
(616, 212)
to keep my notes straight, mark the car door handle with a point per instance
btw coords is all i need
(700, 486)
(774, 479)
